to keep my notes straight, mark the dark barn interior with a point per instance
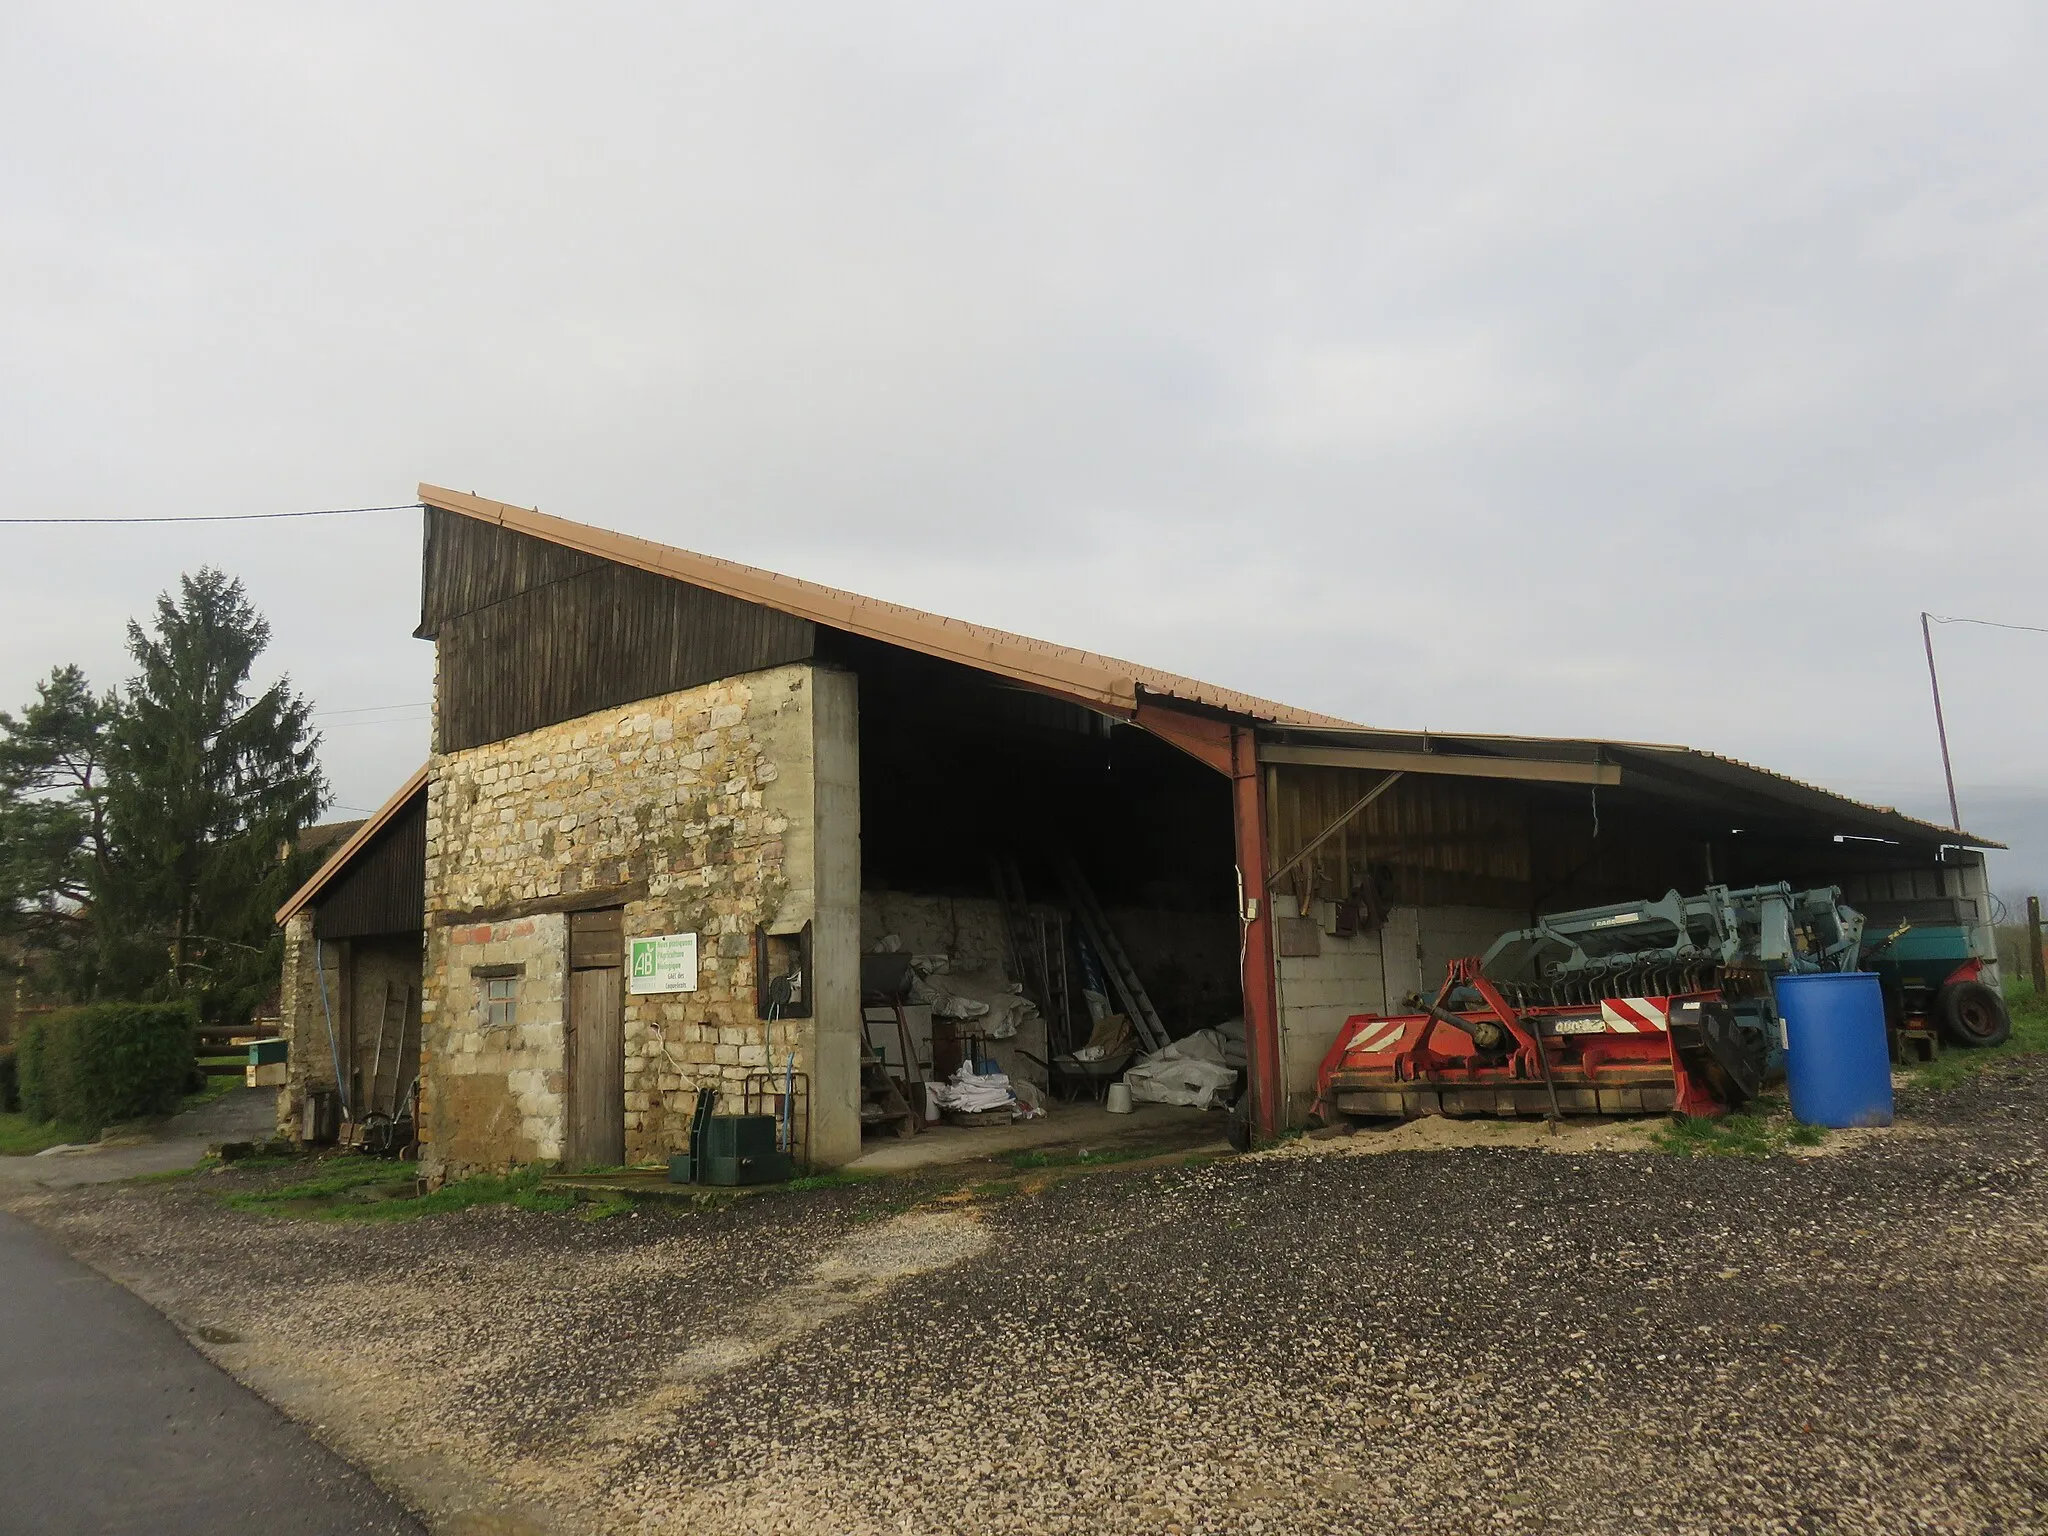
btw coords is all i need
(961, 775)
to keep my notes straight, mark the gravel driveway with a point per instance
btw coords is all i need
(1465, 1340)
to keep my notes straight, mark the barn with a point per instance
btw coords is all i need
(680, 813)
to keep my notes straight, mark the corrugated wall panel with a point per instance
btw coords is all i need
(384, 889)
(531, 634)
(1428, 841)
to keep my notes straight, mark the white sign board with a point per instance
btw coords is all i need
(664, 963)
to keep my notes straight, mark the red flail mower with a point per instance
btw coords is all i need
(1641, 1008)
(1620, 1056)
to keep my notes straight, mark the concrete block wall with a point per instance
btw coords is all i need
(1367, 973)
(703, 808)
(1317, 993)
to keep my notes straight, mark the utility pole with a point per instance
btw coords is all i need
(1955, 817)
(2034, 956)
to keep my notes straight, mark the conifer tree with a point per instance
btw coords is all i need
(206, 788)
(52, 829)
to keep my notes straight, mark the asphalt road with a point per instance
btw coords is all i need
(111, 1423)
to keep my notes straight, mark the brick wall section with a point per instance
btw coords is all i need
(707, 796)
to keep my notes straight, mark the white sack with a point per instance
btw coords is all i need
(969, 1090)
(1189, 1071)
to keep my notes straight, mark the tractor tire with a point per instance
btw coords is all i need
(1972, 1014)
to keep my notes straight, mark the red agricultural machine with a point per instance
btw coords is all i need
(1640, 1008)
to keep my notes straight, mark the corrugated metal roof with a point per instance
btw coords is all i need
(1113, 685)
(1636, 758)
(1104, 682)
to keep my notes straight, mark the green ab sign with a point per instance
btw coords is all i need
(664, 963)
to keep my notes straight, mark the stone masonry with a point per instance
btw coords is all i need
(302, 1020)
(701, 809)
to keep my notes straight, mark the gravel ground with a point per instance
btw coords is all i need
(1468, 1339)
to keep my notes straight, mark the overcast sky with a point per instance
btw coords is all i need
(1619, 370)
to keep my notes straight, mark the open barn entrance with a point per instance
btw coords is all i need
(1047, 892)
(1396, 858)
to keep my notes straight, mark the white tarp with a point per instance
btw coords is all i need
(971, 1092)
(1190, 1071)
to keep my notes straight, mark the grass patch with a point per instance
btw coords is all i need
(837, 1178)
(21, 1136)
(1098, 1158)
(1957, 1064)
(369, 1189)
(334, 1183)
(1761, 1132)
(214, 1087)
(169, 1175)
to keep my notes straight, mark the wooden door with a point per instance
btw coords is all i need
(596, 1043)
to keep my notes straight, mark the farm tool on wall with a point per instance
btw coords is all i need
(1636, 1008)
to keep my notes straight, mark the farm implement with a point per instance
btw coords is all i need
(1637, 1008)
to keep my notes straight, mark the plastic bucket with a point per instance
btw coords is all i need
(1119, 1099)
(1838, 1067)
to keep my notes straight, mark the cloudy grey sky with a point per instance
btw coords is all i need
(1621, 370)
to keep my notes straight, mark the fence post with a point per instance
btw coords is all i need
(2034, 945)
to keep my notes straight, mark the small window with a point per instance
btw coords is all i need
(501, 1001)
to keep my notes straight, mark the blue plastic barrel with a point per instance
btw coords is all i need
(1838, 1066)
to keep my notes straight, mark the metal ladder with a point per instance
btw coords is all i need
(1123, 977)
(1038, 951)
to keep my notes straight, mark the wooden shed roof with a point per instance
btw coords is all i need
(365, 831)
(1102, 682)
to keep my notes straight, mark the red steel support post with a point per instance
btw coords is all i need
(1261, 1010)
(1233, 750)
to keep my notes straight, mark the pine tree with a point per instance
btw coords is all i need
(52, 829)
(205, 788)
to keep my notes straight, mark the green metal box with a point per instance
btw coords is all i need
(266, 1053)
(740, 1149)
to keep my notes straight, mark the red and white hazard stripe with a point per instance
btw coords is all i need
(1636, 1015)
(1378, 1035)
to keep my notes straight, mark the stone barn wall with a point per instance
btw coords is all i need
(699, 812)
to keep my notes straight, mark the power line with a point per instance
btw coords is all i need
(218, 517)
(2032, 629)
(373, 709)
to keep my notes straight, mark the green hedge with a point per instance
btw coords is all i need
(10, 1086)
(106, 1062)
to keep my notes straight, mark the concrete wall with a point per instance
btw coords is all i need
(833, 822)
(703, 808)
(1367, 973)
